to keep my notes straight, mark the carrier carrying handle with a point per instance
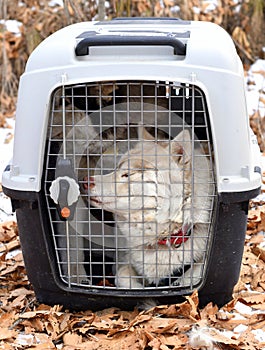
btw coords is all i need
(82, 48)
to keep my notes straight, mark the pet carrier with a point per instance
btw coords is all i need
(133, 164)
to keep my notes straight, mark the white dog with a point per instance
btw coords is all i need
(160, 195)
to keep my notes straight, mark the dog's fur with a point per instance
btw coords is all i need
(158, 188)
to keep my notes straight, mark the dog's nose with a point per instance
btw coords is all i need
(89, 182)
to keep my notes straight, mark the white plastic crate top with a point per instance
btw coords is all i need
(210, 62)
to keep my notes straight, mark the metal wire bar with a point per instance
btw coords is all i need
(107, 129)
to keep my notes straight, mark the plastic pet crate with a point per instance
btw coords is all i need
(135, 178)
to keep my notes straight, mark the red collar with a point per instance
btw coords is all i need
(176, 238)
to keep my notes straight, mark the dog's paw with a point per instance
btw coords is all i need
(200, 338)
(126, 278)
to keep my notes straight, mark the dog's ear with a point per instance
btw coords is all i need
(180, 147)
(143, 134)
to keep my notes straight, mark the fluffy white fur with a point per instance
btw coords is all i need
(157, 188)
(200, 338)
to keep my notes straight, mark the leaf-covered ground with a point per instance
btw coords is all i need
(26, 324)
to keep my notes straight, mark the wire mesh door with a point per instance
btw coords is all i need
(141, 153)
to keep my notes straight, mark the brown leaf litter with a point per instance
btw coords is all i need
(26, 324)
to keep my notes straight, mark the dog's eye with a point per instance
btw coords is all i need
(125, 175)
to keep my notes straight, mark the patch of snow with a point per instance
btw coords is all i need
(237, 316)
(229, 334)
(210, 7)
(256, 87)
(6, 213)
(243, 309)
(25, 339)
(53, 3)
(12, 25)
(258, 65)
(259, 335)
(196, 10)
(12, 254)
(175, 9)
(240, 328)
